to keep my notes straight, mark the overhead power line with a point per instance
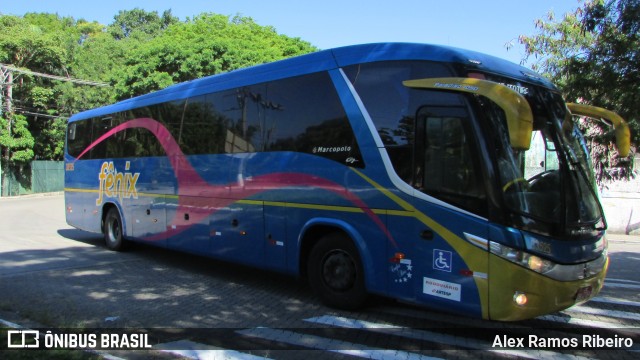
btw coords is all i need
(55, 77)
(37, 114)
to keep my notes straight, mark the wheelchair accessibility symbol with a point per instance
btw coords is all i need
(442, 260)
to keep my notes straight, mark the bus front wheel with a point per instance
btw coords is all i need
(113, 230)
(335, 272)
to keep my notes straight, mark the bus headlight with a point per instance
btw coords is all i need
(538, 264)
(523, 258)
(549, 268)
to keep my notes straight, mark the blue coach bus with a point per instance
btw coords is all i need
(429, 174)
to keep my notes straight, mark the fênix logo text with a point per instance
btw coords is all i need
(116, 184)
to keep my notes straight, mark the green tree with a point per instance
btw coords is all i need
(140, 23)
(17, 139)
(96, 58)
(49, 44)
(592, 54)
(35, 43)
(205, 45)
(23, 44)
(17, 144)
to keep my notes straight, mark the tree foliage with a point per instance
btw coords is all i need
(139, 23)
(205, 45)
(17, 138)
(593, 54)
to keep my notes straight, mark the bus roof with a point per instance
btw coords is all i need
(322, 61)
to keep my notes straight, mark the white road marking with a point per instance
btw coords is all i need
(430, 336)
(331, 345)
(194, 350)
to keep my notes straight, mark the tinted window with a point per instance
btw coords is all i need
(78, 137)
(99, 127)
(169, 114)
(391, 105)
(306, 115)
(427, 134)
(203, 128)
(140, 142)
(447, 165)
(302, 114)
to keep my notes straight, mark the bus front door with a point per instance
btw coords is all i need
(443, 241)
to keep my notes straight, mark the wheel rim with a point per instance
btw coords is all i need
(113, 230)
(339, 270)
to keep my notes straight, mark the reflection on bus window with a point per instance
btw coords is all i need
(447, 165)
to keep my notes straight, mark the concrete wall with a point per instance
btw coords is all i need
(621, 202)
(623, 212)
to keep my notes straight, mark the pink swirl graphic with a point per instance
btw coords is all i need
(201, 199)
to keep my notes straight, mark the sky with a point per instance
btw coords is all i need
(484, 26)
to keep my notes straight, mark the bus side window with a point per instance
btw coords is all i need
(304, 114)
(225, 124)
(79, 137)
(299, 114)
(170, 114)
(447, 166)
(203, 128)
(138, 142)
(99, 127)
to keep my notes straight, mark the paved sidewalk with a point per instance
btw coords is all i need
(623, 238)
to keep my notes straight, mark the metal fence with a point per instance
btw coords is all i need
(39, 176)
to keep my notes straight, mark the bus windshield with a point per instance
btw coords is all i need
(436, 140)
(550, 186)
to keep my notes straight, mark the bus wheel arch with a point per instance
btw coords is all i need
(333, 264)
(113, 227)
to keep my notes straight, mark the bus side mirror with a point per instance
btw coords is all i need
(514, 105)
(621, 128)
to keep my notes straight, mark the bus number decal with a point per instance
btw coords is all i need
(116, 184)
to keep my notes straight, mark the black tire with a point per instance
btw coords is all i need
(335, 272)
(112, 230)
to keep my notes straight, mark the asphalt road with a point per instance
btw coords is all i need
(52, 275)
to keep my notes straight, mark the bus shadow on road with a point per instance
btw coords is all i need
(82, 236)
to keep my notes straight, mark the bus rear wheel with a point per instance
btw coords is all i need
(335, 272)
(113, 236)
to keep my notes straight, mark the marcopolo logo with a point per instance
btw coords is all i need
(116, 184)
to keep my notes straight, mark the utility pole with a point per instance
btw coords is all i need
(6, 77)
(6, 90)
(2, 79)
